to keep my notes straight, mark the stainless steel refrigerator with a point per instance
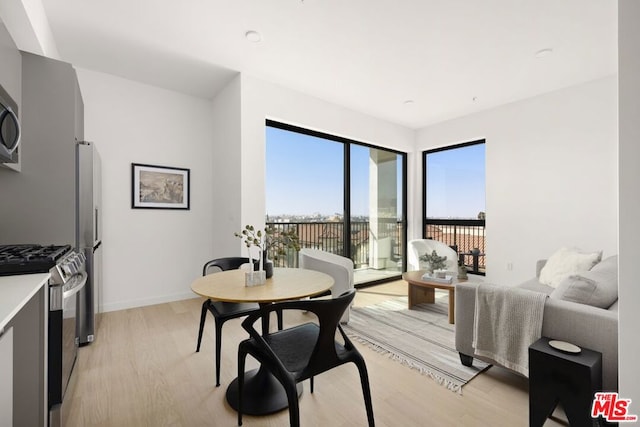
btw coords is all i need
(89, 237)
(55, 198)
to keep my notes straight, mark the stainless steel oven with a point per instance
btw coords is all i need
(68, 278)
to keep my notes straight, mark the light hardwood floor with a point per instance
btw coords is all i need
(143, 370)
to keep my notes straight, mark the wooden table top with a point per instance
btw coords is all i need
(285, 284)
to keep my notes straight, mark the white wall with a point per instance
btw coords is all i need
(28, 24)
(150, 255)
(629, 291)
(551, 175)
(262, 100)
(225, 187)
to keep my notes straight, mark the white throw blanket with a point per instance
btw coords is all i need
(507, 321)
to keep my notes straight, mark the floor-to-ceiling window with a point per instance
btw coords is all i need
(454, 200)
(340, 195)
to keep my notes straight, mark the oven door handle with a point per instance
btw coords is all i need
(75, 284)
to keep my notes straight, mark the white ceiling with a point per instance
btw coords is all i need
(451, 57)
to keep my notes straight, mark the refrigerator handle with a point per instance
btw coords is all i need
(95, 232)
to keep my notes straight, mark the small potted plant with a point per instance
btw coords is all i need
(435, 261)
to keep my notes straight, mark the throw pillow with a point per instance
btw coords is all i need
(566, 262)
(598, 288)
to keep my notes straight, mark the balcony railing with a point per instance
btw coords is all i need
(466, 236)
(329, 237)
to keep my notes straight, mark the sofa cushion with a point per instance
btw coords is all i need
(566, 262)
(535, 285)
(598, 287)
(609, 265)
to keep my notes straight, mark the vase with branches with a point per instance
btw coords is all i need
(269, 241)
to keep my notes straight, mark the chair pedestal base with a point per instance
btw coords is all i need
(263, 394)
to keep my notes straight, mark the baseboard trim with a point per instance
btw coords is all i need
(124, 305)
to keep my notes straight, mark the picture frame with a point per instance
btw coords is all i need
(159, 187)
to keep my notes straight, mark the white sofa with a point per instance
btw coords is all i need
(576, 311)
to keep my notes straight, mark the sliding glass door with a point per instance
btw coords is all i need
(376, 216)
(340, 196)
(305, 189)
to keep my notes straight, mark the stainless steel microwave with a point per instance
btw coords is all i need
(9, 128)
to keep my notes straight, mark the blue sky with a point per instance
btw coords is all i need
(304, 175)
(456, 182)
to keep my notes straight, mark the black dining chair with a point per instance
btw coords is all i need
(223, 311)
(301, 352)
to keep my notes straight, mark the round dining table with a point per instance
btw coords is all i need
(263, 394)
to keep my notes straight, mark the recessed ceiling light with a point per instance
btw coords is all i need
(544, 52)
(409, 102)
(474, 99)
(253, 36)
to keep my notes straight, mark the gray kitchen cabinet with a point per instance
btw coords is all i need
(29, 361)
(10, 82)
(51, 124)
(24, 314)
(10, 65)
(6, 373)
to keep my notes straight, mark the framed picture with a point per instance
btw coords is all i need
(159, 187)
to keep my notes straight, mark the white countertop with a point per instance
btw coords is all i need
(16, 291)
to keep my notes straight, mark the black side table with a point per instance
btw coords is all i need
(556, 376)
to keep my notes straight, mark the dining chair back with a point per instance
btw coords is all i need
(223, 311)
(303, 351)
(223, 264)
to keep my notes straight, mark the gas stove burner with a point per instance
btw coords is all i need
(30, 258)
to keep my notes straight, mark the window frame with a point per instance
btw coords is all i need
(440, 221)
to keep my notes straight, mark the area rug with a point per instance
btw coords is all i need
(421, 338)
